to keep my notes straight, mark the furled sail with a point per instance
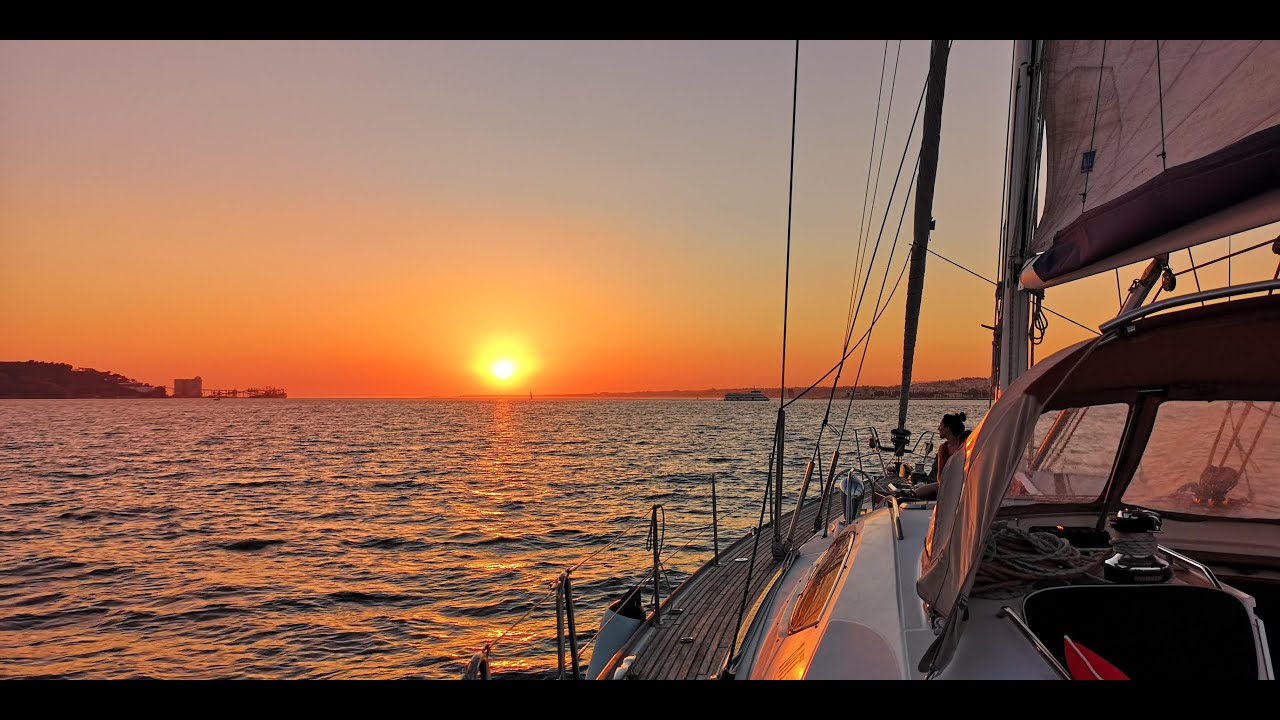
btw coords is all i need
(1149, 153)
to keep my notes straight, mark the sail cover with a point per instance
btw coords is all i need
(1211, 106)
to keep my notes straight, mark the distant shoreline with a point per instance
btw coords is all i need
(525, 397)
(32, 380)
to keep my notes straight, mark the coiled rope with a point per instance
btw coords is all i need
(1015, 559)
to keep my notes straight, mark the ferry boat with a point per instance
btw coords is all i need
(753, 395)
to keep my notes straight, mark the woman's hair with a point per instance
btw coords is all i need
(955, 422)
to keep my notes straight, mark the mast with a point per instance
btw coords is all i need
(1013, 305)
(926, 176)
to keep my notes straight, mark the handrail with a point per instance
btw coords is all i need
(795, 516)
(1008, 612)
(897, 516)
(657, 562)
(564, 615)
(1124, 319)
(1193, 563)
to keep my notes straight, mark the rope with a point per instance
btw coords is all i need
(1039, 323)
(657, 536)
(1015, 559)
(1139, 544)
(1164, 156)
(610, 544)
(786, 291)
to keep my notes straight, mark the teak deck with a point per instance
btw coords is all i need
(700, 618)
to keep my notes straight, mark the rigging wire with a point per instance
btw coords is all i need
(786, 291)
(869, 214)
(489, 645)
(880, 235)
(755, 551)
(866, 188)
(881, 308)
(1092, 156)
(852, 316)
(992, 282)
(1002, 257)
(1226, 257)
(608, 545)
(855, 345)
(782, 390)
(1164, 154)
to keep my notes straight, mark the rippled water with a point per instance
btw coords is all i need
(359, 539)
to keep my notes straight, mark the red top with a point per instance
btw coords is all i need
(945, 451)
(944, 454)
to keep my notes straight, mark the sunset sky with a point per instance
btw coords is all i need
(404, 219)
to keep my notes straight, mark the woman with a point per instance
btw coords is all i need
(953, 434)
(952, 431)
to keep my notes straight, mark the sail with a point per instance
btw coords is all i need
(1112, 108)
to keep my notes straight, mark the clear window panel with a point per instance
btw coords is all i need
(1212, 458)
(1070, 455)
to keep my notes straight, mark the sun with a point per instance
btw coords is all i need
(503, 368)
(500, 362)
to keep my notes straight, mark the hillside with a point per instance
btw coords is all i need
(34, 379)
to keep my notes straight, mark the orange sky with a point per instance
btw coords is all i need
(388, 219)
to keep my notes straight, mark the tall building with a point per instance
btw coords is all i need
(187, 388)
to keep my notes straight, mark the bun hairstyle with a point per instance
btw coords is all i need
(955, 422)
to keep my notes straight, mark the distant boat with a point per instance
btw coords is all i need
(753, 395)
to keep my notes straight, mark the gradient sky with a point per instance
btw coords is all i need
(386, 219)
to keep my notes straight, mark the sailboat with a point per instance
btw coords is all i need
(1116, 513)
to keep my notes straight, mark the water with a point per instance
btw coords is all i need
(360, 539)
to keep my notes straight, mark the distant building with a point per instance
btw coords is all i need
(188, 388)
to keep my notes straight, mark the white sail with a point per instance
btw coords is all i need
(1211, 107)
